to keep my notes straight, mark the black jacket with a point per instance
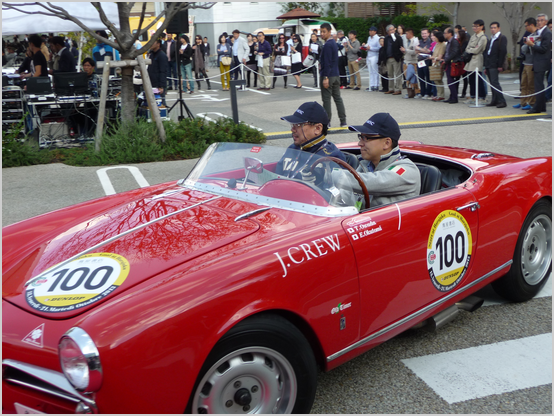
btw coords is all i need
(396, 45)
(498, 52)
(171, 50)
(67, 62)
(453, 51)
(157, 70)
(185, 57)
(542, 52)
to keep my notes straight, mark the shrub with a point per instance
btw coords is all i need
(19, 150)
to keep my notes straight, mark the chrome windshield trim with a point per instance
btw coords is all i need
(251, 213)
(115, 237)
(271, 202)
(53, 378)
(415, 314)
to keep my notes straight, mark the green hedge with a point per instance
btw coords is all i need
(136, 143)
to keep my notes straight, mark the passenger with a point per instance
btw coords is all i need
(388, 176)
(309, 126)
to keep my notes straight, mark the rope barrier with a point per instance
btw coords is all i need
(468, 74)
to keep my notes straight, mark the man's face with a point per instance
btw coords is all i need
(261, 37)
(372, 33)
(425, 34)
(494, 29)
(541, 22)
(236, 35)
(169, 38)
(391, 30)
(351, 36)
(88, 68)
(409, 34)
(477, 28)
(155, 46)
(205, 40)
(372, 149)
(447, 35)
(530, 28)
(325, 34)
(304, 132)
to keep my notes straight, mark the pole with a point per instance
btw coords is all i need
(102, 108)
(234, 106)
(477, 105)
(154, 110)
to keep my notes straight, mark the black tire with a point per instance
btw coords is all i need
(532, 257)
(262, 365)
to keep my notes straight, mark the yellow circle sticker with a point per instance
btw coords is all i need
(448, 250)
(79, 283)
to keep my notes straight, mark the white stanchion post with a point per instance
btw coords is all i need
(477, 105)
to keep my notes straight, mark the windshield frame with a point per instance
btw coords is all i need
(193, 182)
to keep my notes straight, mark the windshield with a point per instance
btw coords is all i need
(271, 176)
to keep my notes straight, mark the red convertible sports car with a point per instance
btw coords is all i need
(226, 291)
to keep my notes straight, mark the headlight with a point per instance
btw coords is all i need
(80, 360)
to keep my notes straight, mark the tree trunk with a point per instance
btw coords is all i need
(128, 102)
(515, 39)
(455, 14)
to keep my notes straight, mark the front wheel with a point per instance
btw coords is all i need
(263, 365)
(532, 257)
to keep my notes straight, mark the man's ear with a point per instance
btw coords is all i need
(387, 143)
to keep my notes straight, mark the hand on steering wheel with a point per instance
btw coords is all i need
(348, 168)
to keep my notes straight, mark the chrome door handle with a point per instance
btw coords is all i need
(474, 206)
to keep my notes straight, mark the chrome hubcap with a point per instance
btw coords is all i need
(536, 252)
(249, 380)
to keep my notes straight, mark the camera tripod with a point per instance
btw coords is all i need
(180, 101)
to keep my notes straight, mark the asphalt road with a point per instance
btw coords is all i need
(386, 379)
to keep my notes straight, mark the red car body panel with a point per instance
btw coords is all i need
(346, 282)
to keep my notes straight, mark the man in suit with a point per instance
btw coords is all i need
(241, 50)
(540, 44)
(393, 43)
(64, 60)
(452, 54)
(494, 56)
(173, 76)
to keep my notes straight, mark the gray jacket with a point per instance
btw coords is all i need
(394, 179)
(352, 51)
(476, 46)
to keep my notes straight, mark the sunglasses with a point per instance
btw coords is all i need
(367, 138)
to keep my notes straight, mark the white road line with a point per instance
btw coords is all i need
(477, 372)
(107, 184)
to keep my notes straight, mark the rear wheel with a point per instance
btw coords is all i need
(262, 365)
(532, 257)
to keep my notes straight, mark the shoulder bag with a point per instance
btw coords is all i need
(226, 60)
(309, 61)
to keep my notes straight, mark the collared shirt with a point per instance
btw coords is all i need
(492, 41)
(374, 46)
(235, 47)
(167, 51)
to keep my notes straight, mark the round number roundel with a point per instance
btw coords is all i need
(448, 250)
(79, 283)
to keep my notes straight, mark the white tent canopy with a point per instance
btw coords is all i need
(17, 23)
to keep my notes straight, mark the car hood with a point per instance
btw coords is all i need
(88, 261)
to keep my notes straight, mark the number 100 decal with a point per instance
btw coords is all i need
(79, 283)
(448, 250)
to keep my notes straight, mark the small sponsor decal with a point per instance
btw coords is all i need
(35, 337)
(362, 228)
(79, 283)
(256, 149)
(340, 307)
(308, 251)
(448, 250)
(399, 170)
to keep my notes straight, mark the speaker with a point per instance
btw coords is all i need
(179, 23)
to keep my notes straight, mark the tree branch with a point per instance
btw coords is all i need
(137, 33)
(55, 11)
(105, 20)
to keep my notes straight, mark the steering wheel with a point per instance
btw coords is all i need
(348, 168)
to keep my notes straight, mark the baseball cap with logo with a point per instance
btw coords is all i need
(311, 112)
(382, 124)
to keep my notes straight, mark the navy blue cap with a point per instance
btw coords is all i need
(382, 124)
(311, 112)
(373, 28)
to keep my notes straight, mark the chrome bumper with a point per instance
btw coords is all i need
(46, 381)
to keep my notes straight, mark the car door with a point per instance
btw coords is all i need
(412, 253)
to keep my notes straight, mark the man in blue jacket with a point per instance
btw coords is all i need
(309, 126)
(158, 69)
(330, 80)
(101, 50)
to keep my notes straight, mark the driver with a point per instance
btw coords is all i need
(388, 176)
(309, 125)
